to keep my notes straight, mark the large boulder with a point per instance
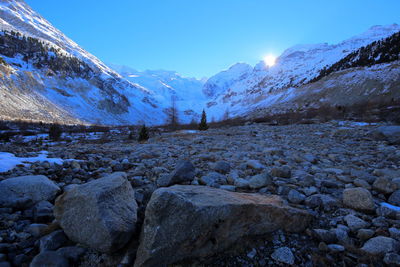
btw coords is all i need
(358, 199)
(186, 222)
(384, 185)
(101, 214)
(25, 191)
(380, 245)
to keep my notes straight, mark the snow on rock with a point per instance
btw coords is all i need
(9, 161)
(223, 80)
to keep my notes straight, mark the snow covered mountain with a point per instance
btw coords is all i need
(45, 76)
(264, 86)
(168, 86)
(37, 88)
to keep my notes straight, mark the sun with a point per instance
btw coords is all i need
(270, 60)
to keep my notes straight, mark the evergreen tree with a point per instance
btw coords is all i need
(143, 134)
(55, 132)
(130, 136)
(2, 61)
(203, 123)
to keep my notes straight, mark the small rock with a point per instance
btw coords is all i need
(355, 223)
(324, 235)
(364, 234)
(260, 180)
(254, 164)
(49, 259)
(241, 183)
(53, 241)
(184, 173)
(252, 253)
(213, 179)
(335, 248)
(394, 233)
(222, 167)
(295, 197)
(72, 253)
(392, 259)
(37, 230)
(362, 183)
(394, 198)
(282, 172)
(43, 211)
(284, 255)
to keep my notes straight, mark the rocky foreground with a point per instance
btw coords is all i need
(256, 195)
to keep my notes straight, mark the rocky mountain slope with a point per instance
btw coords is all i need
(55, 92)
(300, 65)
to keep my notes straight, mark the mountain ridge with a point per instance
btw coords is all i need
(112, 94)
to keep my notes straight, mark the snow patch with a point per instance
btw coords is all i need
(9, 161)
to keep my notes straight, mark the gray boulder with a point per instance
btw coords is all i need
(358, 199)
(101, 214)
(25, 191)
(186, 222)
(384, 185)
(380, 245)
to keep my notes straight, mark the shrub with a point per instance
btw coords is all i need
(55, 132)
(143, 134)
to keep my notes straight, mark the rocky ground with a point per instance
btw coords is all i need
(256, 195)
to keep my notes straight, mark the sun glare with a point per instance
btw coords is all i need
(270, 60)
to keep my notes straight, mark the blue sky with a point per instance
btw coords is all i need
(199, 38)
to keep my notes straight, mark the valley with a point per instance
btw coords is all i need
(292, 161)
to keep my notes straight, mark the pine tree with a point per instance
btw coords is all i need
(130, 136)
(143, 134)
(203, 123)
(55, 132)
